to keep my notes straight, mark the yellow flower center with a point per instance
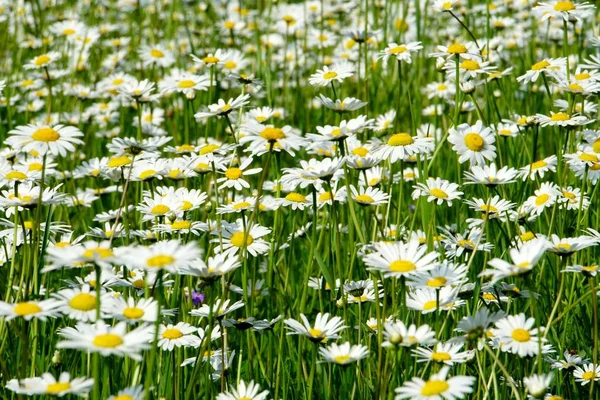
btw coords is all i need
(439, 193)
(563, 246)
(157, 53)
(160, 261)
(440, 357)
(527, 236)
(133, 313)
(330, 75)
(83, 302)
(42, 60)
(15, 175)
(542, 199)
(434, 387)
(108, 340)
(540, 65)
(325, 196)
(272, 134)
(211, 60)
(123, 397)
(588, 157)
(315, 332)
(456, 48)
(160, 209)
(172, 333)
(469, 65)
(26, 308)
(565, 6)
(186, 205)
(539, 164)
(437, 282)
(589, 375)
(341, 359)
(398, 50)
(488, 209)
(45, 135)
(575, 87)
(237, 239)
(364, 198)
(474, 141)
(402, 266)
(296, 197)
(560, 116)
(570, 195)
(520, 335)
(178, 225)
(116, 162)
(242, 205)
(233, 173)
(58, 387)
(360, 151)
(400, 139)
(186, 84)
(35, 166)
(147, 174)
(186, 148)
(230, 64)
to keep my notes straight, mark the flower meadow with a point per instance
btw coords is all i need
(360, 199)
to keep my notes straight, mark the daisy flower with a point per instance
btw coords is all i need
(446, 353)
(587, 373)
(47, 384)
(438, 190)
(222, 108)
(550, 66)
(443, 274)
(429, 300)
(263, 138)
(181, 334)
(543, 198)
(107, 340)
(325, 76)
(490, 175)
(473, 143)
(324, 328)
(400, 259)
(341, 106)
(56, 139)
(523, 259)
(130, 393)
(343, 131)
(132, 311)
(343, 354)
(401, 146)
(244, 391)
(467, 51)
(566, 10)
(156, 55)
(369, 196)
(402, 52)
(538, 168)
(80, 303)
(218, 310)
(214, 268)
(439, 386)
(219, 57)
(537, 385)
(397, 334)
(235, 238)
(30, 309)
(516, 334)
(169, 255)
(562, 119)
(43, 60)
(234, 176)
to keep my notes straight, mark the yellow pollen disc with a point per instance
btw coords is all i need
(542, 199)
(565, 6)
(45, 135)
(588, 157)
(447, 5)
(211, 60)
(570, 195)
(42, 60)
(174, 174)
(341, 359)
(15, 175)
(209, 148)
(520, 335)
(226, 107)
(58, 387)
(326, 196)
(564, 246)
(157, 53)
(539, 164)
(139, 284)
(26, 308)
(133, 313)
(474, 141)
(230, 64)
(540, 65)
(560, 116)
(489, 297)
(229, 24)
(575, 87)
(364, 198)
(439, 193)
(429, 305)
(523, 265)
(400, 139)
(397, 50)
(116, 162)
(83, 302)
(295, 197)
(588, 375)
(288, 18)
(237, 239)
(147, 174)
(590, 268)
(402, 266)
(160, 261)
(108, 340)
(469, 65)
(440, 357)
(178, 225)
(315, 332)
(261, 118)
(101, 252)
(437, 282)
(441, 88)
(360, 151)
(434, 388)
(583, 76)
(374, 181)
(123, 397)
(186, 205)
(488, 209)
(172, 333)
(233, 173)
(160, 209)
(456, 48)
(272, 134)
(35, 166)
(242, 205)
(330, 75)
(527, 236)
(186, 84)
